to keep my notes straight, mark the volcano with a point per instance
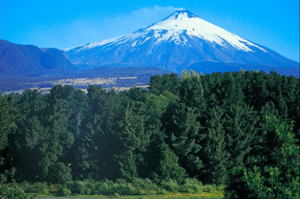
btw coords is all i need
(181, 41)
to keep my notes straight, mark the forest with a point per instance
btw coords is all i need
(237, 129)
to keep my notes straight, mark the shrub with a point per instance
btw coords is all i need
(145, 186)
(162, 191)
(25, 185)
(3, 178)
(221, 188)
(191, 185)
(123, 189)
(109, 182)
(88, 191)
(58, 186)
(130, 190)
(121, 181)
(171, 186)
(211, 188)
(38, 187)
(115, 188)
(68, 185)
(59, 173)
(95, 192)
(193, 181)
(45, 191)
(104, 188)
(64, 192)
(78, 187)
(90, 184)
(186, 188)
(190, 188)
(13, 193)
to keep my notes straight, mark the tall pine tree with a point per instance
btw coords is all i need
(214, 155)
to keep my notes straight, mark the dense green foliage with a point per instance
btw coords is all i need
(210, 127)
(13, 193)
(271, 173)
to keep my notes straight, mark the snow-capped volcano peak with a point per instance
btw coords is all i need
(173, 43)
(183, 21)
(180, 27)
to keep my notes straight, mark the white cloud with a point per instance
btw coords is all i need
(155, 11)
(143, 17)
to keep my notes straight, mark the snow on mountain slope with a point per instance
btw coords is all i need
(185, 21)
(173, 43)
(176, 24)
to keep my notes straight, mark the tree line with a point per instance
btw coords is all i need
(214, 127)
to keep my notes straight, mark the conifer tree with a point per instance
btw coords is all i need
(167, 82)
(255, 89)
(191, 91)
(214, 91)
(59, 139)
(7, 129)
(282, 107)
(89, 152)
(102, 102)
(156, 106)
(183, 136)
(274, 170)
(211, 88)
(96, 144)
(94, 93)
(30, 136)
(133, 139)
(214, 155)
(240, 130)
(232, 91)
(268, 110)
(136, 94)
(156, 85)
(7, 116)
(295, 112)
(162, 162)
(182, 122)
(29, 160)
(79, 108)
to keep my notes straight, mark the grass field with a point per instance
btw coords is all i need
(206, 195)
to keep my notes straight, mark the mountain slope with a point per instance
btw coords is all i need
(31, 61)
(27, 66)
(174, 43)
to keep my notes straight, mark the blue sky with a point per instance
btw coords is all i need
(68, 23)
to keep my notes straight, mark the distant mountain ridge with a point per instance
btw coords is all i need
(27, 66)
(30, 61)
(176, 42)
